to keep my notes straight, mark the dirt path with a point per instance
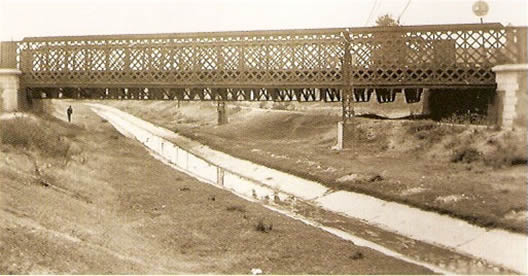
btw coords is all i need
(112, 208)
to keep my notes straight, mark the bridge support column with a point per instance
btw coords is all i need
(511, 101)
(12, 98)
(222, 114)
(426, 101)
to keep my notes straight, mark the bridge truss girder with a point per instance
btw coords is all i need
(394, 57)
(190, 94)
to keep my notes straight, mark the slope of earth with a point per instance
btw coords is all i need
(81, 198)
(472, 173)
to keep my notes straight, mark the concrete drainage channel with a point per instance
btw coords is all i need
(258, 183)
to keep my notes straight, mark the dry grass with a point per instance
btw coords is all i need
(470, 145)
(34, 133)
(428, 133)
(489, 148)
(506, 156)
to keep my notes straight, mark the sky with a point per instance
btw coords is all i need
(27, 18)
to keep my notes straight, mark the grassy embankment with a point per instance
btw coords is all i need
(80, 198)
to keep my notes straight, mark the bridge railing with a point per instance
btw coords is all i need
(417, 56)
(445, 55)
(243, 59)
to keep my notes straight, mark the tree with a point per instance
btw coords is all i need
(386, 21)
(388, 46)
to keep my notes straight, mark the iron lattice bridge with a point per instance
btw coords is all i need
(289, 65)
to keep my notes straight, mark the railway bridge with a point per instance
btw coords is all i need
(335, 65)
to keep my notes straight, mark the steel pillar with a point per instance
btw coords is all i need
(347, 106)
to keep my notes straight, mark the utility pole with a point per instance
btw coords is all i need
(347, 100)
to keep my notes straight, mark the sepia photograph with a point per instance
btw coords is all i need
(280, 137)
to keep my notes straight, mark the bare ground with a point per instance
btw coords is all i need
(472, 173)
(103, 205)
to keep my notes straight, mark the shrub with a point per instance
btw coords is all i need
(280, 106)
(466, 154)
(262, 104)
(263, 227)
(508, 154)
(357, 256)
(466, 119)
(236, 208)
(235, 109)
(431, 132)
(187, 120)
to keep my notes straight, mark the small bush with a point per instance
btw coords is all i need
(187, 120)
(235, 109)
(280, 106)
(466, 155)
(236, 208)
(442, 131)
(466, 119)
(357, 256)
(431, 132)
(263, 226)
(506, 155)
(262, 104)
(376, 178)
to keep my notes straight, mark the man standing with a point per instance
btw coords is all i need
(69, 112)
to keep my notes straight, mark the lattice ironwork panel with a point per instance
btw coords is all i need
(415, 56)
(231, 58)
(117, 59)
(181, 60)
(428, 56)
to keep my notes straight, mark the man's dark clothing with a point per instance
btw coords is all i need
(69, 112)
